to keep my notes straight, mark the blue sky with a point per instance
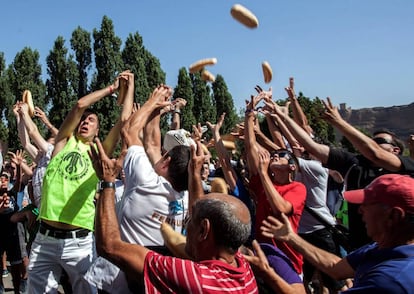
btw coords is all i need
(356, 51)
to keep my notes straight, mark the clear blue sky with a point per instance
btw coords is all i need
(356, 51)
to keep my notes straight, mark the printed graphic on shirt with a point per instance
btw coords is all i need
(74, 166)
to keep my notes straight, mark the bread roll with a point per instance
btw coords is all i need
(27, 98)
(267, 72)
(244, 16)
(207, 76)
(199, 65)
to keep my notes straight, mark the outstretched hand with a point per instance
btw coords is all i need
(258, 261)
(331, 112)
(106, 168)
(278, 229)
(197, 158)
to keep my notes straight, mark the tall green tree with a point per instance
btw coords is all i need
(24, 73)
(155, 74)
(5, 100)
(81, 45)
(133, 58)
(62, 82)
(204, 108)
(108, 63)
(184, 90)
(224, 103)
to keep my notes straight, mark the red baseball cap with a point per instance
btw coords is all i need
(392, 189)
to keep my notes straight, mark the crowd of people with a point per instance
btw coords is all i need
(181, 214)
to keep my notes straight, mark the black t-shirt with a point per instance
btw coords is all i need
(358, 172)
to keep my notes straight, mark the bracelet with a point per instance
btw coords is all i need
(103, 185)
(249, 111)
(177, 111)
(111, 89)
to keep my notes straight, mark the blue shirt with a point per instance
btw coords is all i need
(388, 270)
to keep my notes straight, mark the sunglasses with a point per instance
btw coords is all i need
(280, 154)
(380, 141)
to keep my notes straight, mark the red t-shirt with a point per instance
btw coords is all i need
(295, 193)
(166, 274)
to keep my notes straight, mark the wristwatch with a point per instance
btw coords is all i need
(103, 185)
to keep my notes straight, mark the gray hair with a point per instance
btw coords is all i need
(229, 231)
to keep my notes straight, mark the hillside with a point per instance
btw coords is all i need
(398, 119)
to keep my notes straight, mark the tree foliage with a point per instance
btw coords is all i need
(108, 63)
(62, 82)
(224, 103)
(184, 90)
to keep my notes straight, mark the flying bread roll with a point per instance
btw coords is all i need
(199, 65)
(267, 72)
(244, 16)
(207, 76)
(27, 98)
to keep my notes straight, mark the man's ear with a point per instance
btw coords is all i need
(397, 214)
(396, 150)
(166, 162)
(205, 227)
(292, 166)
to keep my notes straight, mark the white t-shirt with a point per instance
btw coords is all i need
(148, 200)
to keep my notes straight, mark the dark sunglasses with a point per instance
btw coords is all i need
(280, 154)
(380, 141)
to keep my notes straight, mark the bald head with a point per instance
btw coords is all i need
(229, 218)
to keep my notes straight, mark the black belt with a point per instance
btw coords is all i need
(61, 234)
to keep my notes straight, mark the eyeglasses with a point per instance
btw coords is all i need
(380, 140)
(280, 154)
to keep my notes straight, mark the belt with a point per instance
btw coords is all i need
(61, 234)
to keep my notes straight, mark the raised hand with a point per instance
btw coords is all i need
(264, 160)
(258, 261)
(17, 158)
(106, 168)
(215, 128)
(278, 229)
(197, 158)
(331, 112)
(179, 103)
(291, 89)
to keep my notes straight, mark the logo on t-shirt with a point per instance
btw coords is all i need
(74, 166)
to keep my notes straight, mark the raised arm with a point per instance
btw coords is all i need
(158, 99)
(320, 151)
(229, 173)
(32, 129)
(73, 118)
(178, 105)
(298, 115)
(152, 131)
(128, 257)
(368, 147)
(126, 79)
(195, 188)
(43, 117)
(337, 267)
(252, 149)
(276, 201)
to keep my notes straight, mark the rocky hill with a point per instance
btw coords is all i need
(398, 119)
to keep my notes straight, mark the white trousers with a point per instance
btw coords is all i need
(50, 255)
